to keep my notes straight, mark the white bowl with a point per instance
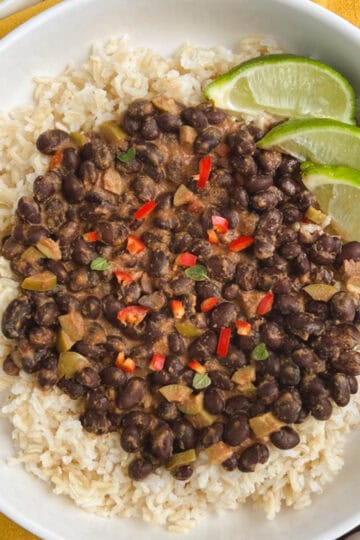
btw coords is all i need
(62, 35)
(8, 7)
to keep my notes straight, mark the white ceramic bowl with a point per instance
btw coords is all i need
(63, 35)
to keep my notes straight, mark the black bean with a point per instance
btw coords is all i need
(269, 161)
(340, 389)
(161, 442)
(290, 374)
(72, 388)
(258, 183)
(16, 318)
(223, 314)
(88, 377)
(9, 366)
(304, 199)
(144, 187)
(213, 401)
(167, 411)
(342, 307)
(285, 439)
(287, 304)
(211, 434)
(139, 419)
(304, 357)
(28, 210)
(325, 249)
(182, 473)
(236, 430)
(113, 376)
(231, 291)
(213, 114)
(220, 379)
(194, 117)
(322, 409)
(99, 152)
(47, 378)
(289, 165)
(41, 337)
(207, 140)
(353, 384)
(180, 286)
(287, 407)
(204, 346)
(140, 108)
(246, 276)
(288, 185)
(291, 213)
(176, 343)
(185, 434)
(302, 324)
(269, 222)
(251, 456)
(67, 302)
(230, 464)
(98, 400)
(91, 307)
(349, 363)
(139, 469)
(257, 408)
(82, 252)
(206, 289)
(271, 366)
(44, 186)
(272, 335)
(132, 394)
(266, 200)
(52, 140)
(290, 250)
(150, 129)
(264, 246)
(73, 188)
(130, 439)
(169, 123)
(242, 142)
(95, 422)
(47, 314)
(221, 268)
(130, 124)
(236, 404)
(268, 390)
(240, 197)
(349, 251)
(150, 154)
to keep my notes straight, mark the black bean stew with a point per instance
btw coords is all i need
(175, 281)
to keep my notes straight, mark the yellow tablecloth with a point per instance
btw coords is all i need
(349, 9)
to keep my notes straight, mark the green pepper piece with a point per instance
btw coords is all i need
(187, 329)
(180, 459)
(112, 132)
(42, 282)
(71, 362)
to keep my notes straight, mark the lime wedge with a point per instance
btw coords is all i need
(285, 85)
(337, 190)
(322, 141)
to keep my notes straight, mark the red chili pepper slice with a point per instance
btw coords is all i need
(157, 362)
(134, 244)
(205, 165)
(241, 243)
(132, 315)
(220, 224)
(91, 236)
(224, 341)
(123, 277)
(56, 159)
(145, 210)
(127, 364)
(212, 236)
(209, 303)
(196, 366)
(177, 308)
(186, 259)
(265, 304)
(243, 328)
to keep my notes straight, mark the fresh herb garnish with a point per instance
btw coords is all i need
(100, 264)
(127, 156)
(260, 352)
(197, 273)
(201, 380)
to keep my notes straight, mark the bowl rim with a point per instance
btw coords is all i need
(308, 7)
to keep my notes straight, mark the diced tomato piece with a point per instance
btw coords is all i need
(209, 303)
(220, 224)
(134, 244)
(212, 236)
(177, 308)
(241, 243)
(224, 341)
(145, 210)
(196, 366)
(222, 150)
(56, 159)
(127, 364)
(186, 259)
(157, 362)
(132, 315)
(205, 165)
(123, 277)
(265, 304)
(91, 236)
(243, 328)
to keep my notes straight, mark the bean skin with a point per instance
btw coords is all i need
(236, 430)
(16, 318)
(139, 469)
(257, 453)
(213, 401)
(132, 394)
(285, 439)
(52, 140)
(130, 439)
(161, 442)
(340, 389)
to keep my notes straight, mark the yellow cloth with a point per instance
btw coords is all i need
(349, 9)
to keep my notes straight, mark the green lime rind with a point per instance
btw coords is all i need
(337, 190)
(251, 86)
(319, 140)
(315, 175)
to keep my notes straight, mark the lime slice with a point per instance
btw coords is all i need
(337, 190)
(322, 141)
(286, 85)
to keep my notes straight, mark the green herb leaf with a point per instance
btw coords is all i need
(197, 273)
(260, 352)
(100, 264)
(127, 156)
(201, 380)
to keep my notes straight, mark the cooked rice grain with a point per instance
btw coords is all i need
(48, 438)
